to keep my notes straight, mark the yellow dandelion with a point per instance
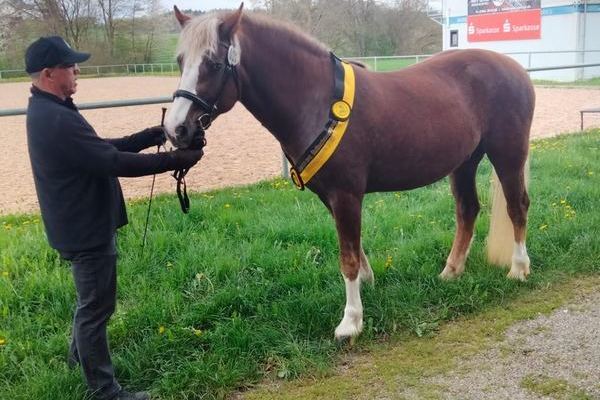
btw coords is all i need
(562, 201)
(161, 330)
(590, 173)
(388, 261)
(5, 274)
(2, 342)
(227, 205)
(197, 332)
(169, 264)
(543, 227)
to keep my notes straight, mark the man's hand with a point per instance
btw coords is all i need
(185, 158)
(154, 136)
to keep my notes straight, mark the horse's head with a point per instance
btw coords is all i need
(208, 54)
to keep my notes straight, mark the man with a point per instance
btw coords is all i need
(81, 202)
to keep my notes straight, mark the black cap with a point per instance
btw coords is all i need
(48, 52)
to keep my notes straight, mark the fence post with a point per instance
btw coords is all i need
(417, 59)
(375, 63)
(98, 70)
(285, 168)
(529, 60)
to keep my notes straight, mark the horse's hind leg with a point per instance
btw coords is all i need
(365, 273)
(513, 184)
(462, 181)
(346, 210)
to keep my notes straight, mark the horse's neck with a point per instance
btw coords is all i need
(287, 89)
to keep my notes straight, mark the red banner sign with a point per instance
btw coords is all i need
(515, 25)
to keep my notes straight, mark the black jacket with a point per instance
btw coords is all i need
(75, 173)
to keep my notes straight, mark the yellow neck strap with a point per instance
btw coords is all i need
(326, 144)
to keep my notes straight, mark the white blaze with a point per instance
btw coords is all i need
(181, 106)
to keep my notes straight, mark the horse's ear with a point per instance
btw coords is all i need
(231, 23)
(181, 17)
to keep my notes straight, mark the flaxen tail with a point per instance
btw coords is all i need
(500, 240)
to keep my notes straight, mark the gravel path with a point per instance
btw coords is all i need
(549, 357)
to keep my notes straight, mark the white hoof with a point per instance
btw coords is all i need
(520, 268)
(351, 325)
(450, 273)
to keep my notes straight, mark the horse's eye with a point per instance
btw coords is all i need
(217, 66)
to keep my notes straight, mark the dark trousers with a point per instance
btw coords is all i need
(95, 276)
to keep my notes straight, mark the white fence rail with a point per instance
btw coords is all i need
(528, 59)
(104, 70)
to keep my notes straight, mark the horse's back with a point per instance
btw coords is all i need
(427, 119)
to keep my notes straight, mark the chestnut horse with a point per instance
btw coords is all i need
(405, 129)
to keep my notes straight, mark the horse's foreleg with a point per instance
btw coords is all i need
(346, 210)
(464, 190)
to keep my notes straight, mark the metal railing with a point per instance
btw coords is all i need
(376, 63)
(104, 70)
(168, 99)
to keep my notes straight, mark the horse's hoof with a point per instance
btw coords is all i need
(349, 328)
(517, 274)
(449, 273)
(519, 269)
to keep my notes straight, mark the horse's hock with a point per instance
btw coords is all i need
(240, 151)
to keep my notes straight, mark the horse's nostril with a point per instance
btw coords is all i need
(180, 131)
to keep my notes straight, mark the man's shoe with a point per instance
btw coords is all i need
(125, 395)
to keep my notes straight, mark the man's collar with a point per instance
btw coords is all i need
(68, 102)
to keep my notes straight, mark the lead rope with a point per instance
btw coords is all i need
(162, 123)
(184, 200)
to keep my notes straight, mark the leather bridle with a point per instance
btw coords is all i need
(210, 108)
(206, 119)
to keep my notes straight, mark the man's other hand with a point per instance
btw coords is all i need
(186, 158)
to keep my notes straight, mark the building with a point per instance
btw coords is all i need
(536, 33)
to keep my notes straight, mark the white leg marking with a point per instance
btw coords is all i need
(455, 266)
(365, 273)
(520, 262)
(352, 323)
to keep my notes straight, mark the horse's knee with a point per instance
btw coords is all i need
(350, 266)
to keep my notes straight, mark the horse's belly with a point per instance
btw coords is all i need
(403, 170)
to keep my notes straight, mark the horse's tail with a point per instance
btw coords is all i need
(501, 238)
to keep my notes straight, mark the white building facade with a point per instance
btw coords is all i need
(536, 33)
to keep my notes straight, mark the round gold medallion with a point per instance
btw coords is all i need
(340, 110)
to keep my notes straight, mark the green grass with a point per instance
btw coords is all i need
(247, 285)
(388, 64)
(594, 82)
(554, 388)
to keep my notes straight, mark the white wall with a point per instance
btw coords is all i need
(592, 42)
(561, 30)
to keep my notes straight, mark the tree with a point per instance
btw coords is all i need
(109, 12)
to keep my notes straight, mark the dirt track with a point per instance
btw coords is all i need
(240, 150)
